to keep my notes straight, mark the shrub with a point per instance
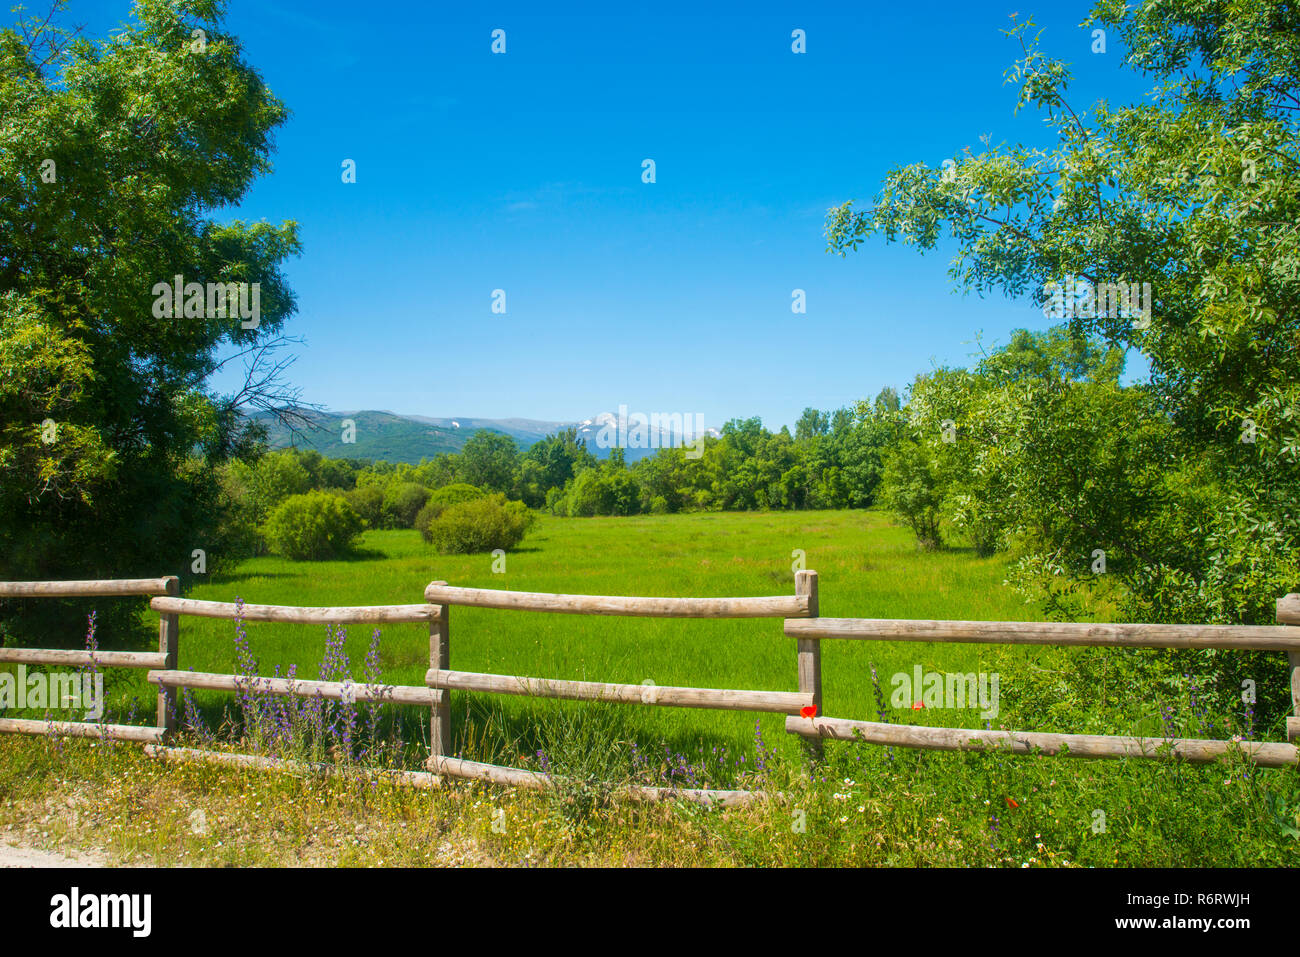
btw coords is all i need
(913, 489)
(480, 525)
(602, 491)
(402, 503)
(368, 502)
(441, 500)
(455, 494)
(312, 526)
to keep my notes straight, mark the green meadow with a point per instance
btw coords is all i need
(868, 567)
(864, 804)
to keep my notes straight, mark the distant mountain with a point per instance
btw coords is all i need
(410, 438)
(397, 438)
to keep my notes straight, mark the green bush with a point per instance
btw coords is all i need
(312, 526)
(602, 491)
(402, 503)
(480, 525)
(441, 500)
(914, 489)
(368, 502)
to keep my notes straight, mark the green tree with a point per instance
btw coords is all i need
(490, 461)
(368, 502)
(914, 488)
(402, 502)
(116, 157)
(442, 499)
(480, 525)
(811, 424)
(273, 478)
(1194, 191)
(551, 463)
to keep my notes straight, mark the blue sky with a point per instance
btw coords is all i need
(522, 172)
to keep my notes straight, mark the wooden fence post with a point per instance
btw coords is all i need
(1293, 723)
(810, 653)
(440, 660)
(169, 626)
(1288, 613)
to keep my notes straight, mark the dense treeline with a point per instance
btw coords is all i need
(834, 460)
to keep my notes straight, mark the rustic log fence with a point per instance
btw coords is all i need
(800, 605)
(803, 707)
(164, 658)
(1283, 636)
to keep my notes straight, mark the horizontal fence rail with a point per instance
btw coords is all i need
(779, 702)
(85, 589)
(537, 781)
(1264, 753)
(82, 729)
(341, 615)
(332, 690)
(778, 606)
(1226, 637)
(83, 659)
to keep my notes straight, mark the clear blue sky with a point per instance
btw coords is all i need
(523, 172)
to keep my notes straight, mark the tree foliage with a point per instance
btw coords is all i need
(1191, 482)
(118, 157)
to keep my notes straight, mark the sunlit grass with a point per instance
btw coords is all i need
(867, 567)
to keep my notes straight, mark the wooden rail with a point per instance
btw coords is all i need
(81, 729)
(779, 702)
(802, 604)
(1283, 636)
(1266, 754)
(292, 614)
(119, 587)
(1227, 637)
(801, 622)
(83, 659)
(332, 690)
(534, 780)
(779, 606)
(85, 589)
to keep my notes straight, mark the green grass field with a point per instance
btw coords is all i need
(868, 805)
(867, 567)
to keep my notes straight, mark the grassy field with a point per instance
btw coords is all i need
(867, 567)
(862, 806)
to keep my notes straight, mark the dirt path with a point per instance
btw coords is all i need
(12, 855)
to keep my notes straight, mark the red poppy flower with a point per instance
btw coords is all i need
(808, 711)
(918, 705)
(1011, 802)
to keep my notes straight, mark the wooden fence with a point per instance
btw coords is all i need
(1281, 637)
(802, 707)
(165, 657)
